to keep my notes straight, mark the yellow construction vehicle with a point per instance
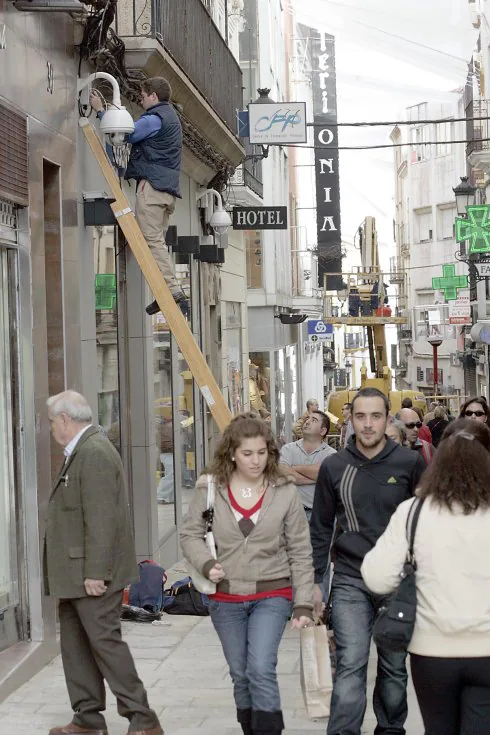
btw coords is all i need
(367, 306)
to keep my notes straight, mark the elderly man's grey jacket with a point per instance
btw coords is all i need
(88, 529)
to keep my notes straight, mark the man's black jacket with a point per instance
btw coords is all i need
(362, 494)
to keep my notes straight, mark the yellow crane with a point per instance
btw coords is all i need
(367, 306)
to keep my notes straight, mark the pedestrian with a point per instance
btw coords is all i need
(304, 457)
(346, 429)
(89, 558)
(430, 413)
(264, 552)
(361, 486)
(450, 647)
(413, 424)
(424, 431)
(438, 425)
(311, 405)
(407, 403)
(396, 431)
(154, 163)
(476, 409)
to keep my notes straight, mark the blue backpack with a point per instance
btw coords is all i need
(148, 592)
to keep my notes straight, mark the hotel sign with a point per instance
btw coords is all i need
(260, 218)
(326, 158)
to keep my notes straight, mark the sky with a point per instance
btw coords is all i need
(390, 54)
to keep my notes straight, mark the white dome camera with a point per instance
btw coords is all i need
(116, 124)
(220, 221)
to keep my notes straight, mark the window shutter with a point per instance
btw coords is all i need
(14, 182)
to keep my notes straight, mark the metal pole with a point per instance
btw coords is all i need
(436, 374)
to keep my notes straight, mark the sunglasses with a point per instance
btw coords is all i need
(414, 424)
(469, 414)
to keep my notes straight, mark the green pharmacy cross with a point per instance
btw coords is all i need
(449, 282)
(476, 228)
(105, 291)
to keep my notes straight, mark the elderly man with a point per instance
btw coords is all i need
(413, 424)
(89, 558)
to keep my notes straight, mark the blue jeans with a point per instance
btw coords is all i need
(250, 633)
(353, 614)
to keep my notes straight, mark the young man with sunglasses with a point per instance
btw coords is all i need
(413, 424)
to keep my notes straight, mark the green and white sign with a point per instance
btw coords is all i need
(476, 228)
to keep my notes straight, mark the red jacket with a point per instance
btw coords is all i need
(425, 435)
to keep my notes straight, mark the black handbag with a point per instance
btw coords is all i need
(394, 624)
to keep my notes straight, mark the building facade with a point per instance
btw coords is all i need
(72, 307)
(428, 164)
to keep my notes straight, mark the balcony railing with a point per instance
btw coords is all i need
(477, 131)
(186, 30)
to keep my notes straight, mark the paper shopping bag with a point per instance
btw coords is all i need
(316, 671)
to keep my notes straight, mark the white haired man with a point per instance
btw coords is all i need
(89, 558)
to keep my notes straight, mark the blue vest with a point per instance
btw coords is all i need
(157, 159)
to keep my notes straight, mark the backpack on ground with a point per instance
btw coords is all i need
(182, 598)
(148, 592)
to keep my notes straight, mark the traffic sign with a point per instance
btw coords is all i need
(318, 330)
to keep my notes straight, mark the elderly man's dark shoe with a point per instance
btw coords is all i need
(72, 729)
(152, 731)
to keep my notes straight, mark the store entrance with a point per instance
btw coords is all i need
(11, 540)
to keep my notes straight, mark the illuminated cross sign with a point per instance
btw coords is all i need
(450, 282)
(105, 291)
(476, 228)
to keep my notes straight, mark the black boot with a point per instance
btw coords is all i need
(267, 723)
(244, 717)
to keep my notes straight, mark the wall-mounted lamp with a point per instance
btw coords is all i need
(220, 220)
(117, 122)
(291, 318)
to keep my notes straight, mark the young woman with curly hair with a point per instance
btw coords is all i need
(264, 552)
(450, 647)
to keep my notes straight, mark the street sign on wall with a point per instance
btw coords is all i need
(318, 330)
(277, 123)
(460, 310)
(482, 268)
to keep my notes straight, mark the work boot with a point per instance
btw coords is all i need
(180, 299)
(152, 308)
(72, 729)
(244, 717)
(267, 723)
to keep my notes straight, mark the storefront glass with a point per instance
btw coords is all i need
(254, 257)
(108, 416)
(164, 428)
(280, 394)
(233, 348)
(9, 579)
(260, 382)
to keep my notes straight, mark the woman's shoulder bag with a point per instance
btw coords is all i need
(394, 624)
(200, 582)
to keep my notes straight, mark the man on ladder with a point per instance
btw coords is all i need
(154, 163)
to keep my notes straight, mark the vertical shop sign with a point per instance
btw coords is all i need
(326, 158)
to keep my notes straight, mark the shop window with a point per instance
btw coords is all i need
(106, 325)
(423, 226)
(259, 383)
(232, 343)
(254, 256)
(446, 226)
(280, 395)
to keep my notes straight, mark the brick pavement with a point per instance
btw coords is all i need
(183, 668)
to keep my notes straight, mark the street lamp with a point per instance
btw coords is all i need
(465, 196)
(436, 342)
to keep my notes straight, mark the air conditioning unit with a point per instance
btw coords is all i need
(51, 6)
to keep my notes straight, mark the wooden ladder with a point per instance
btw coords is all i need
(173, 316)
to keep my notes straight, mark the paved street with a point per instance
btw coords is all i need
(185, 673)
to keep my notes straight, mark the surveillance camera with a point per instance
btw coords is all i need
(116, 124)
(220, 221)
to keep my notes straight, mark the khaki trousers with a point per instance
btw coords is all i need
(92, 650)
(153, 211)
